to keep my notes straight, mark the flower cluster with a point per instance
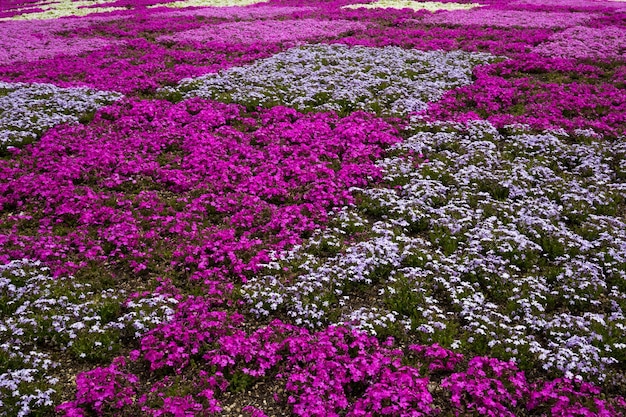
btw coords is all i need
(312, 207)
(511, 18)
(498, 239)
(198, 186)
(574, 96)
(61, 8)
(29, 110)
(581, 42)
(21, 41)
(570, 5)
(333, 372)
(387, 80)
(211, 3)
(431, 6)
(234, 12)
(274, 31)
(40, 315)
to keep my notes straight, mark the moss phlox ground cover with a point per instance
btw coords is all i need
(414, 5)
(312, 208)
(213, 3)
(62, 8)
(494, 248)
(389, 80)
(28, 110)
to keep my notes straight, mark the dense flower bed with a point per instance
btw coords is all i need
(483, 246)
(28, 110)
(387, 80)
(312, 208)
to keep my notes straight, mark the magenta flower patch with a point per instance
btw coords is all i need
(328, 373)
(96, 174)
(581, 42)
(510, 18)
(32, 41)
(312, 208)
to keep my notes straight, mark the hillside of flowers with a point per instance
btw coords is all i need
(313, 208)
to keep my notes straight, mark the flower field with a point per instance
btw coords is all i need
(315, 208)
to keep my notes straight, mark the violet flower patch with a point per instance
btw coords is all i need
(290, 32)
(510, 18)
(24, 41)
(608, 43)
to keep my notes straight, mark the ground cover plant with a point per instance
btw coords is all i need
(312, 208)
